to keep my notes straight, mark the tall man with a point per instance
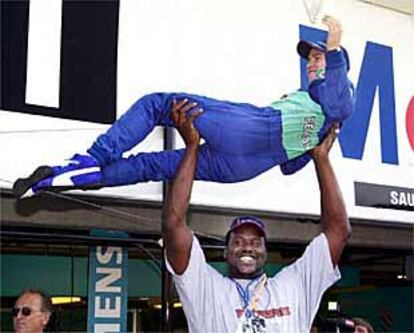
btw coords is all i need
(248, 300)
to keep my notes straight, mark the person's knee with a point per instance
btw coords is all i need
(157, 103)
(157, 97)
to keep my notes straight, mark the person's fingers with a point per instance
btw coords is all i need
(195, 114)
(184, 113)
(330, 19)
(180, 103)
(174, 111)
(332, 135)
(326, 20)
(181, 109)
(335, 128)
(332, 23)
(188, 107)
(177, 105)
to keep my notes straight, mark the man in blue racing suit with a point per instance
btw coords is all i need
(241, 140)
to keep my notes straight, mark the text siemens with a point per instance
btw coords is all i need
(108, 294)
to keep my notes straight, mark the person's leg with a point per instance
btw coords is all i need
(161, 166)
(77, 165)
(148, 112)
(143, 167)
(234, 131)
(131, 128)
(237, 128)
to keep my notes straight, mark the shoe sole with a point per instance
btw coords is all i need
(58, 189)
(22, 185)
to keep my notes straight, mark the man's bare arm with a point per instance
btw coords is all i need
(334, 218)
(177, 236)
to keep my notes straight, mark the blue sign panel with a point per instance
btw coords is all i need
(107, 289)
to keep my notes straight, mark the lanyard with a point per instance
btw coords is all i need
(244, 294)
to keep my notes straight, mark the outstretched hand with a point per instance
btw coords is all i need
(184, 122)
(334, 32)
(322, 150)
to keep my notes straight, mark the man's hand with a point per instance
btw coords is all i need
(184, 123)
(322, 150)
(334, 32)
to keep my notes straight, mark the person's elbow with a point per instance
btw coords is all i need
(348, 108)
(340, 227)
(344, 230)
(346, 103)
(342, 106)
(340, 111)
(171, 220)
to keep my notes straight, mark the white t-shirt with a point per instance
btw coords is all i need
(286, 302)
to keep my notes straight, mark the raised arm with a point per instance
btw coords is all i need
(334, 218)
(177, 236)
(335, 93)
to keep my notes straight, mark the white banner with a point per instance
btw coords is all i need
(245, 51)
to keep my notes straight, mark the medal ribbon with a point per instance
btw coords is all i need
(244, 294)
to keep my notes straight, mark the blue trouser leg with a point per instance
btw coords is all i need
(211, 166)
(146, 113)
(242, 141)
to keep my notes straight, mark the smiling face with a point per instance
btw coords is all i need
(36, 321)
(316, 64)
(246, 252)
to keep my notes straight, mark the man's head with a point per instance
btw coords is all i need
(245, 250)
(362, 326)
(314, 53)
(31, 312)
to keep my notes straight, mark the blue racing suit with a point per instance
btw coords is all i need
(241, 140)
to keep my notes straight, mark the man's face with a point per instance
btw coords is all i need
(246, 252)
(316, 64)
(36, 321)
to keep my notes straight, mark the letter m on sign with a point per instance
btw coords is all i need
(376, 74)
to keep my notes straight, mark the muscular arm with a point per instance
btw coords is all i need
(334, 218)
(177, 236)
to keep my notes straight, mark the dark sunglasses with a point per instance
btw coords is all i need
(26, 311)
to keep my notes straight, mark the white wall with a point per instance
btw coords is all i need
(236, 50)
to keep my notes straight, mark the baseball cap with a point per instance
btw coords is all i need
(243, 220)
(305, 46)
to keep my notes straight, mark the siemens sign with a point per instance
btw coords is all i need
(107, 291)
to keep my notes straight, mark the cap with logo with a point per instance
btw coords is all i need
(246, 220)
